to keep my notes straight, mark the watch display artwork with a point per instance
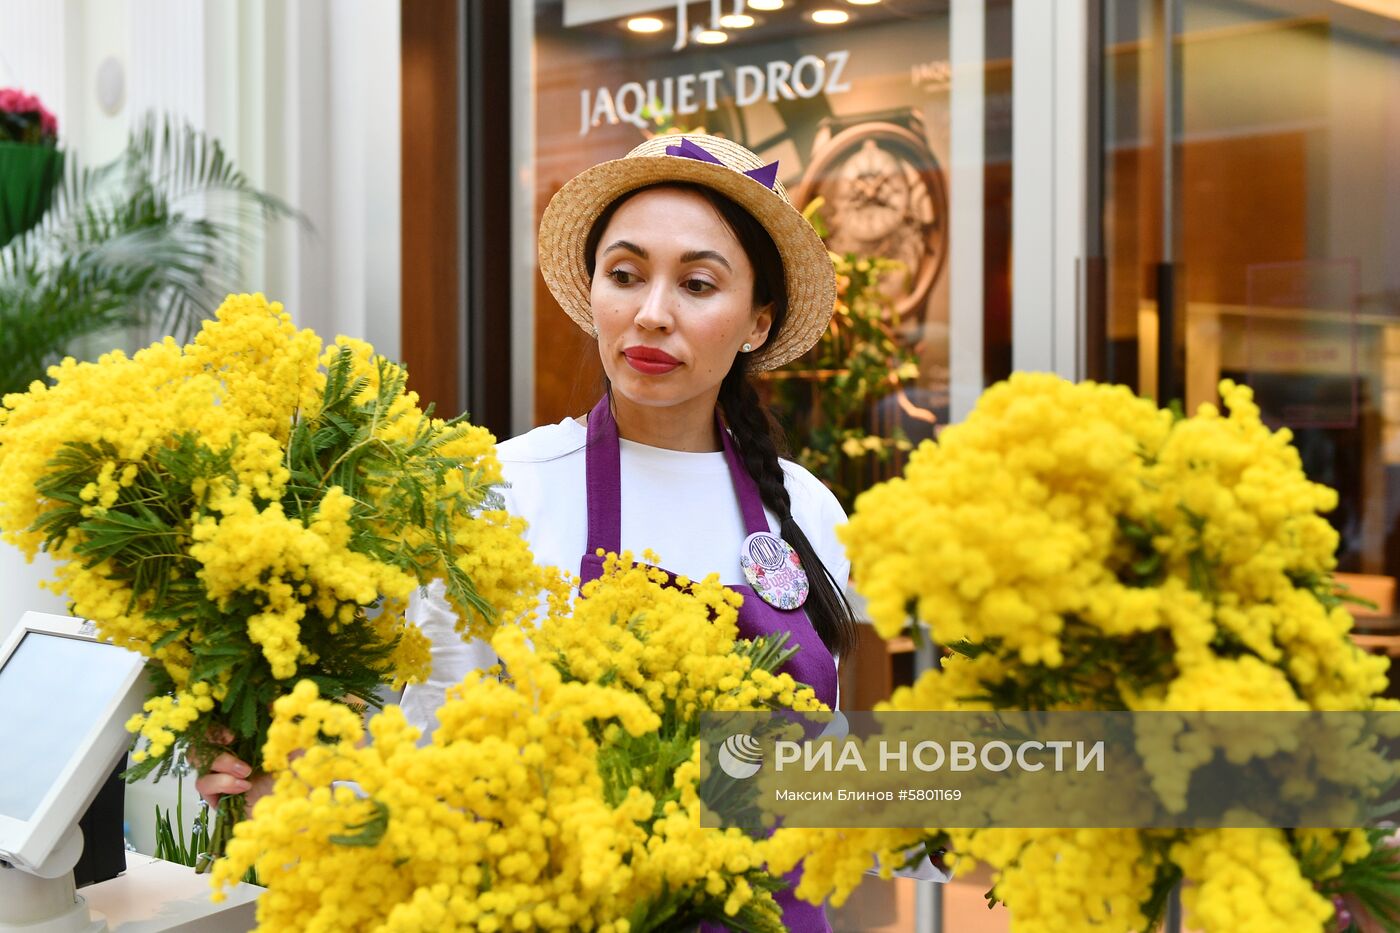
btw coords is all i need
(885, 195)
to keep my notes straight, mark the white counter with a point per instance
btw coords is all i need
(153, 895)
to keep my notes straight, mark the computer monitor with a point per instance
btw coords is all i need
(65, 698)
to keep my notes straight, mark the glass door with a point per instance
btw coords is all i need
(890, 123)
(1250, 228)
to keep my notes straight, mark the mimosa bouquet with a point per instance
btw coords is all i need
(1079, 549)
(252, 510)
(559, 795)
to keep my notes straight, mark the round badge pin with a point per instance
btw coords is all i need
(774, 570)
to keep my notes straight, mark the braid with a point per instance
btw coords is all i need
(755, 434)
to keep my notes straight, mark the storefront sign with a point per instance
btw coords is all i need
(641, 102)
(856, 116)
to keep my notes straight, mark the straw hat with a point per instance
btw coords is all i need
(719, 164)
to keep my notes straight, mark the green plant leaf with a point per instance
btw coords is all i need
(154, 237)
(370, 831)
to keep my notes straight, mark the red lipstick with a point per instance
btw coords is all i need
(650, 361)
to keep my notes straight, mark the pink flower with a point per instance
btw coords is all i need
(14, 101)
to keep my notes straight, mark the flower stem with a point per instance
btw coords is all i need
(231, 811)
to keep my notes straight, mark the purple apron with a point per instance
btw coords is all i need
(812, 665)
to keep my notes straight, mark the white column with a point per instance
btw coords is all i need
(40, 45)
(379, 139)
(1071, 167)
(1048, 100)
(1032, 185)
(302, 94)
(167, 74)
(965, 260)
(166, 65)
(301, 160)
(522, 221)
(330, 102)
(224, 77)
(106, 35)
(242, 112)
(344, 232)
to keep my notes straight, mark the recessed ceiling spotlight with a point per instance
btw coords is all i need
(830, 17)
(1390, 8)
(711, 37)
(737, 21)
(767, 6)
(645, 24)
(862, 2)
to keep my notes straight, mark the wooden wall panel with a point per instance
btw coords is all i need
(1244, 202)
(431, 329)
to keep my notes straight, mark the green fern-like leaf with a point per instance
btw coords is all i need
(153, 238)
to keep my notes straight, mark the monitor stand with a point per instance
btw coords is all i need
(45, 900)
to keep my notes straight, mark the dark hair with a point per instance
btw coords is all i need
(757, 436)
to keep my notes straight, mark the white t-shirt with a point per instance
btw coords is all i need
(681, 505)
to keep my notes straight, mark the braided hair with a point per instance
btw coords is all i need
(756, 434)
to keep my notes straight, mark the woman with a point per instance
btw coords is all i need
(690, 274)
(688, 264)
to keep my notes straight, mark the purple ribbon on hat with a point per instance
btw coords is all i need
(686, 149)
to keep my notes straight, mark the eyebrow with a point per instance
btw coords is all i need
(694, 255)
(629, 246)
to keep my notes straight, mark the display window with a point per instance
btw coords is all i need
(853, 102)
(1251, 225)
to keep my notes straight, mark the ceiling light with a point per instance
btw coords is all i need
(645, 24)
(1390, 8)
(736, 21)
(862, 2)
(711, 36)
(830, 17)
(766, 6)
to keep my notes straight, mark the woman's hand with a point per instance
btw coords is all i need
(228, 774)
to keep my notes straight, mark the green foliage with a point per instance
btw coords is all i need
(827, 397)
(675, 912)
(649, 762)
(392, 484)
(143, 540)
(1093, 674)
(1164, 882)
(1370, 886)
(152, 238)
(26, 128)
(367, 832)
(171, 845)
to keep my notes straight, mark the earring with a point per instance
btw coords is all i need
(595, 330)
(747, 348)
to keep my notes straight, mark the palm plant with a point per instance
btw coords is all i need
(154, 237)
